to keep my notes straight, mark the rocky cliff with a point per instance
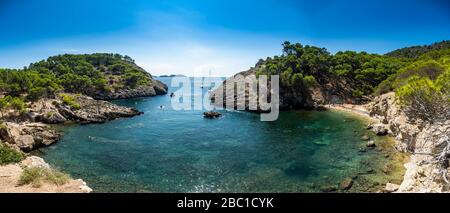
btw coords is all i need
(425, 172)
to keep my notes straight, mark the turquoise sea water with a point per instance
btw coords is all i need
(180, 151)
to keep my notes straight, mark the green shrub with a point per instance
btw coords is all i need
(36, 176)
(358, 93)
(70, 101)
(10, 155)
(443, 83)
(385, 86)
(421, 97)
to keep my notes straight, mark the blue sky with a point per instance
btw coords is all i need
(192, 37)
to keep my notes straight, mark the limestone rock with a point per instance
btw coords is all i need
(415, 136)
(390, 187)
(90, 111)
(25, 142)
(28, 136)
(33, 161)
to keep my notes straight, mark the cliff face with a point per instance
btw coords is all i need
(423, 140)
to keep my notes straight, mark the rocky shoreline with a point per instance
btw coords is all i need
(421, 139)
(417, 138)
(32, 130)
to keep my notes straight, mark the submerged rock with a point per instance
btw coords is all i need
(365, 137)
(328, 189)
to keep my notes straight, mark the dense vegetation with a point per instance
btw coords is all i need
(417, 51)
(303, 66)
(419, 75)
(87, 74)
(423, 87)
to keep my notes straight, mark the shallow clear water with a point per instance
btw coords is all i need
(180, 151)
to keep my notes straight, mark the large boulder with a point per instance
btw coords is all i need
(390, 187)
(25, 142)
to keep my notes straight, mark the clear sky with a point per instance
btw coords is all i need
(228, 36)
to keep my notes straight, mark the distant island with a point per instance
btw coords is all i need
(171, 76)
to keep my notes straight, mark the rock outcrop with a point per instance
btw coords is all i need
(28, 136)
(53, 111)
(32, 132)
(421, 139)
